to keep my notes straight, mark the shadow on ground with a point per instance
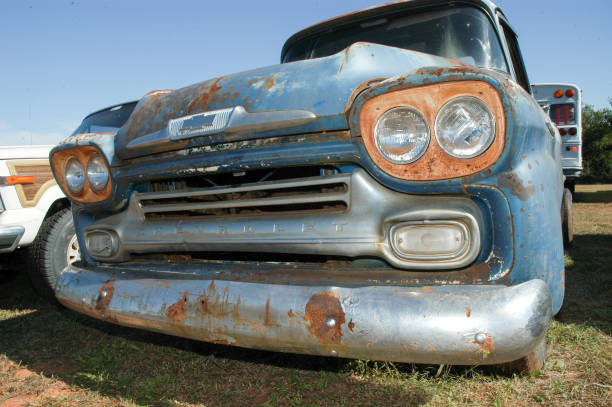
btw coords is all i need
(602, 196)
(151, 368)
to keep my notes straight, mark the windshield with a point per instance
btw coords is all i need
(464, 34)
(107, 120)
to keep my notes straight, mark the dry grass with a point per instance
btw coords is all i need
(57, 357)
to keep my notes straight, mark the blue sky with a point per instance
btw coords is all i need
(63, 59)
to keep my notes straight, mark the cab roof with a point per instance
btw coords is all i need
(379, 10)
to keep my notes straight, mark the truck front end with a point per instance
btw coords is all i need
(376, 202)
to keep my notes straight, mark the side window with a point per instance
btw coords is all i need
(515, 55)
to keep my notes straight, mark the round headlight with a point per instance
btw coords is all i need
(97, 173)
(75, 176)
(401, 135)
(465, 127)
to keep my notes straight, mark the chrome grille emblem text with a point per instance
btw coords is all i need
(199, 124)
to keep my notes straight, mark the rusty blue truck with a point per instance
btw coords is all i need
(390, 191)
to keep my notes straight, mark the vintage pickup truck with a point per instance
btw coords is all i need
(390, 191)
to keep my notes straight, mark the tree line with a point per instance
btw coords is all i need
(597, 143)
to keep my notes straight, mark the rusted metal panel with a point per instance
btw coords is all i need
(275, 88)
(434, 164)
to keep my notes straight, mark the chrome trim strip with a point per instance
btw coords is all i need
(264, 186)
(246, 203)
(231, 121)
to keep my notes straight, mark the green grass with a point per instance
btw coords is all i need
(52, 356)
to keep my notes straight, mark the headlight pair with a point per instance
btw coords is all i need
(464, 128)
(466, 118)
(83, 173)
(97, 174)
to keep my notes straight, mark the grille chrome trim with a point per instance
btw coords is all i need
(272, 186)
(362, 230)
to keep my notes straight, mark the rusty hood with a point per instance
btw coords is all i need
(315, 93)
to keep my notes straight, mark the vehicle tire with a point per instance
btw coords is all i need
(54, 247)
(571, 185)
(567, 219)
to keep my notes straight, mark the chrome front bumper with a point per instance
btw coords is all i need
(466, 325)
(10, 237)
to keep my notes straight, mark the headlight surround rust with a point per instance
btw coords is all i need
(440, 160)
(82, 173)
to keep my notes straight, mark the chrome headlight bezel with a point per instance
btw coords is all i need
(422, 144)
(75, 182)
(488, 116)
(97, 173)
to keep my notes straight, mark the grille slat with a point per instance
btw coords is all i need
(322, 193)
(267, 202)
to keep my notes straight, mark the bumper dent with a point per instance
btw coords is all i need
(441, 324)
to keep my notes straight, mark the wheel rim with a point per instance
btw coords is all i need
(73, 253)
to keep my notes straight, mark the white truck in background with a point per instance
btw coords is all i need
(35, 213)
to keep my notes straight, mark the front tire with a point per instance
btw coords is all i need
(53, 249)
(567, 220)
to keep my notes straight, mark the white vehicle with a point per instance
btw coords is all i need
(35, 213)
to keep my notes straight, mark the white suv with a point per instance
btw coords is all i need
(34, 212)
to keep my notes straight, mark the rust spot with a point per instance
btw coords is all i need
(351, 325)
(512, 182)
(178, 311)
(488, 346)
(425, 289)
(269, 83)
(468, 311)
(105, 295)
(200, 103)
(267, 319)
(290, 313)
(321, 308)
(435, 164)
(204, 305)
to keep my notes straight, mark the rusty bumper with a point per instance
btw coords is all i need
(442, 324)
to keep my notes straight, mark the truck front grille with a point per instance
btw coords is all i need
(312, 194)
